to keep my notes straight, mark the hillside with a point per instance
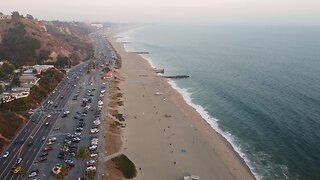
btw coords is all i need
(26, 41)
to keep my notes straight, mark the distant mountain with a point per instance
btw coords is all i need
(26, 41)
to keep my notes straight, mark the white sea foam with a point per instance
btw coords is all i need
(213, 122)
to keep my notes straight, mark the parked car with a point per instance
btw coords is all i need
(44, 154)
(42, 159)
(46, 149)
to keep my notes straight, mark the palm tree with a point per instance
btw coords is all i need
(64, 172)
(82, 155)
(23, 173)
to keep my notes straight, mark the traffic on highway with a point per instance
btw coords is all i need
(69, 120)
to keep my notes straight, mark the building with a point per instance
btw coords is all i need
(97, 25)
(42, 68)
(28, 80)
(3, 17)
(28, 71)
(6, 97)
(19, 95)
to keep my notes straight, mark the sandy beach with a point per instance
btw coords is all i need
(164, 136)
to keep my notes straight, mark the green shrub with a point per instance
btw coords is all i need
(125, 165)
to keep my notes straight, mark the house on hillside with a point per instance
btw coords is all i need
(28, 71)
(4, 17)
(28, 80)
(42, 68)
(97, 25)
(18, 95)
(6, 97)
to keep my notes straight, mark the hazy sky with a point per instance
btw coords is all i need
(154, 11)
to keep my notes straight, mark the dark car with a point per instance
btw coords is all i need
(43, 154)
(60, 156)
(73, 146)
(43, 159)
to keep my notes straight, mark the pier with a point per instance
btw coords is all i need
(176, 76)
(140, 52)
(159, 70)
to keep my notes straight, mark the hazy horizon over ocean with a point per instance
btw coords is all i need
(259, 86)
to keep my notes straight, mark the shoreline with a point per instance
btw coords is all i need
(222, 148)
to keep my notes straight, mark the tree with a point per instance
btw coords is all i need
(15, 15)
(82, 155)
(64, 172)
(23, 173)
(15, 81)
(7, 68)
(29, 16)
(34, 71)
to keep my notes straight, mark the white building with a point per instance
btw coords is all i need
(20, 94)
(28, 80)
(6, 97)
(3, 17)
(42, 68)
(97, 25)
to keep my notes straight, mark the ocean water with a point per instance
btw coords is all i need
(259, 86)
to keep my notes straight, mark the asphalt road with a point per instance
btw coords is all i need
(57, 102)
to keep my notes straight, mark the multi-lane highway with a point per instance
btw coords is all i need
(47, 122)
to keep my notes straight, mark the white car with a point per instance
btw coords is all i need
(94, 140)
(97, 123)
(77, 133)
(6, 154)
(94, 130)
(93, 147)
(91, 168)
(33, 174)
(53, 139)
(93, 155)
(19, 160)
(94, 143)
(49, 116)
